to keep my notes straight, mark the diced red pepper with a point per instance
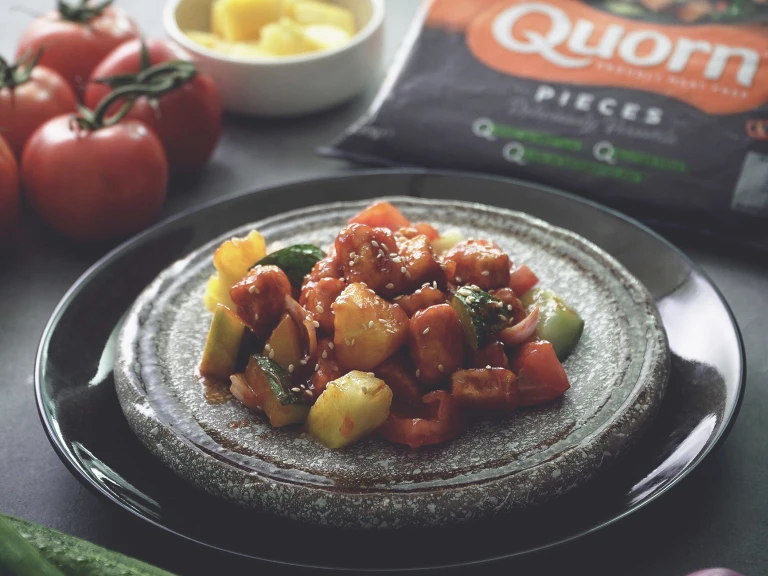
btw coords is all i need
(439, 419)
(381, 215)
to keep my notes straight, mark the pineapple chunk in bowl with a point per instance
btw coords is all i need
(284, 60)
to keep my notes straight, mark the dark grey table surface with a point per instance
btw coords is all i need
(717, 516)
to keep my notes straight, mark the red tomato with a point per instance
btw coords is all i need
(428, 230)
(381, 215)
(26, 105)
(75, 40)
(95, 185)
(540, 376)
(187, 120)
(9, 188)
(438, 420)
(522, 279)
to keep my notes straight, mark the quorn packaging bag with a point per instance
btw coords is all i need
(657, 107)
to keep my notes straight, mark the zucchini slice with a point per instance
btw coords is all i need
(558, 323)
(222, 346)
(275, 392)
(479, 314)
(296, 261)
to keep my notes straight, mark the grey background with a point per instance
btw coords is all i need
(718, 516)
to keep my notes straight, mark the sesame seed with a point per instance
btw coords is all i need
(426, 330)
(418, 291)
(485, 273)
(380, 254)
(330, 345)
(503, 318)
(374, 244)
(403, 269)
(352, 254)
(389, 286)
(364, 325)
(393, 255)
(352, 343)
(370, 324)
(398, 297)
(510, 307)
(371, 291)
(290, 368)
(351, 263)
(488, 366)
(303, 361)
(315, 323)
(303, 387)
(308, 392)
(251, 289)
(295, 389)
(458, 278)
(267, 347)
(271, 354)
(434, 284)
(333, 312)
(470, 299)
(358, 305)
(441, 367)
(325, 354)
(382, 320)
(346, 341)
(317, 367)
(256, 317)
(418, 373)
(319, 309)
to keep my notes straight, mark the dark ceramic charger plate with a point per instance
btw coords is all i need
(81, 415)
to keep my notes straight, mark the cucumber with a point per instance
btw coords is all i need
(222, 346)
(296, 261)
(479, 316)
(28, 549)
(275, 391)
(558, 323)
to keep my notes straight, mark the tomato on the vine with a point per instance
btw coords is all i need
(187, 120)
(95, 184)
(75, 38)
(96, 176)
(30, 95)
(9, 188)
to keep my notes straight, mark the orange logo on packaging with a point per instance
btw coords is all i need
(719, 69)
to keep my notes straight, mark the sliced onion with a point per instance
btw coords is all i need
(243, 392)
(303, 319)
(521, 331)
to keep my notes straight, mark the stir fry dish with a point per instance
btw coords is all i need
(397, 330)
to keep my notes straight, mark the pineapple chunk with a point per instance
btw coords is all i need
(313, 12)
(235, 257)
(447, 240)
(326, 36)
(232, 260)
(206, 39)
(243, 20)
(249, 50)
(350, 407)
(285, 38)
(285, 342)
(217, 17)
(367, 328)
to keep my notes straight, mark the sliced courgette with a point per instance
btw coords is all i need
(284, 344)
(27, 548)
(222, 346)
(296, 261)
(558, 323)
(479, 314)
(276, 392)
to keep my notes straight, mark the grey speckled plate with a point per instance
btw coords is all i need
(618, 375)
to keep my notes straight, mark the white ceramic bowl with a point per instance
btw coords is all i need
(291, 85)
